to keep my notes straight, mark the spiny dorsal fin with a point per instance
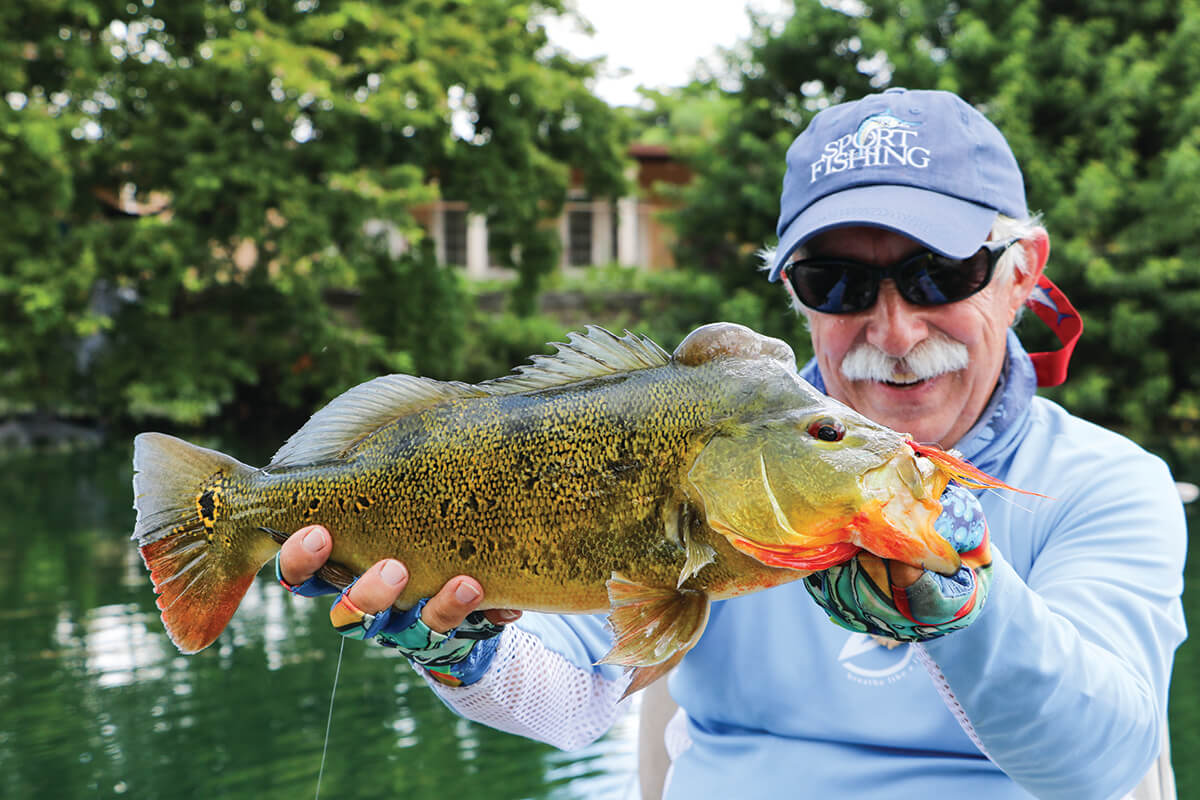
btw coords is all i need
(590, 354)
(357, 413)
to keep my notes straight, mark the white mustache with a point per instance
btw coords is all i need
(931, 357)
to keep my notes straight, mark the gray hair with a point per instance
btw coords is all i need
(1004, 228)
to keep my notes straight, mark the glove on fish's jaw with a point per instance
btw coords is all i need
(924, 472)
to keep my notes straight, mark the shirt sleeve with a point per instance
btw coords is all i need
(1062, 680)
(543, 683)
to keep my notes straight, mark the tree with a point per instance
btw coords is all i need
(1101, 105)
(185, 182)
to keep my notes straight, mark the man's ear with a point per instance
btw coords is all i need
(1037, 252)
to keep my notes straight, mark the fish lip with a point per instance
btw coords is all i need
(909, 468)
(912, 516)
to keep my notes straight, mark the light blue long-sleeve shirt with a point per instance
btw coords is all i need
(1062, 679)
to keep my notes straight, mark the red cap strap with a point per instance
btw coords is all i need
(1054, 309)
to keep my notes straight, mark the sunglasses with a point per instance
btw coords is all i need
(842, 286)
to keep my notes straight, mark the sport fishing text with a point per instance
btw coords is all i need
(874, 147)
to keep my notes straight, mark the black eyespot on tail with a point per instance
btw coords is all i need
(208, 508)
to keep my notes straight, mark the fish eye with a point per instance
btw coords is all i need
(827, 429)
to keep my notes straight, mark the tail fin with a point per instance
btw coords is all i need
(201, 564)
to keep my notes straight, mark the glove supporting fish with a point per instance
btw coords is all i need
(610, 476)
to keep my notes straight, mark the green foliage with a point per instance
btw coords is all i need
(499, 342)
(1101, 106)
(189, 186)
(664, 306)
(425, 320)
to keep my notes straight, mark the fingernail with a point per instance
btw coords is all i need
(393, 573)
(314, 540)
(508, 614)
(466, 593)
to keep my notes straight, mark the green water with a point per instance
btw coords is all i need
(96, 702)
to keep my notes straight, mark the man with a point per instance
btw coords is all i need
(905, 241)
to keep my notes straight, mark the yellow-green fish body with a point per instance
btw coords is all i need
(609, 477)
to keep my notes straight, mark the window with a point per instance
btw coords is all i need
(454, 236)
(579, 237)
(614, 232)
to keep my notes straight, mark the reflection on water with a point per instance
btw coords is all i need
(119, 649)
(95, 700)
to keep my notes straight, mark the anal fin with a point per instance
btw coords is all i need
(331, 572)
(337, 574)
(654, 627)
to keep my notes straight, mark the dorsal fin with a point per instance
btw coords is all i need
(718, 339)
(358, 412)
(590, 354)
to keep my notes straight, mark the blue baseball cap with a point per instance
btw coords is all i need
(922, 163)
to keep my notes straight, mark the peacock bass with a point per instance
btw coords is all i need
(611, 476)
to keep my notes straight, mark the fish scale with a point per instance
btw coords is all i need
(609, 477)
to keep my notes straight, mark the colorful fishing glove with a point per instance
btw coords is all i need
(860, 596)
(458, 657)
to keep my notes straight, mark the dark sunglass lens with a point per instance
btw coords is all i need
(933, 280)
(833, 287)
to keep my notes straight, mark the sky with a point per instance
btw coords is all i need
(658, 41)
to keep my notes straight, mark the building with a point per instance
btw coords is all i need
(594, 230)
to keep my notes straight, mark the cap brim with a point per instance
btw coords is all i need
(946, 225)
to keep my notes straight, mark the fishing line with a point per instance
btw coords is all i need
(1012, 501)
(329, 721)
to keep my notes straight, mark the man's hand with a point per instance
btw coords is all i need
(870, 595)
(308, 549)
(444, 634)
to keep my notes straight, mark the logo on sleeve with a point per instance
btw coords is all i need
(881, 140)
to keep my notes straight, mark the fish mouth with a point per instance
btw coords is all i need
(893, 521)
(903, 495)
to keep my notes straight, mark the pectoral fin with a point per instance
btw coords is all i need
(699, 556)
(653, 626)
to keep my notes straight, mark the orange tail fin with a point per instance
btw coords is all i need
(959, 470)
(201, 564)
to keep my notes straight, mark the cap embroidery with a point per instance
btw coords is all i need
(881, 140)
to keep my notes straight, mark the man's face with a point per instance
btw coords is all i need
(939, 409)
